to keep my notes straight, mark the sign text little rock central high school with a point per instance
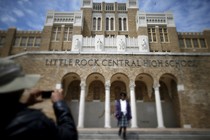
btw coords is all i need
(122, 62)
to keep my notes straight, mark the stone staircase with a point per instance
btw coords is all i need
(145, 134)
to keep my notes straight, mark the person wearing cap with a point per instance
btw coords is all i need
(18, 121)
(122, 113)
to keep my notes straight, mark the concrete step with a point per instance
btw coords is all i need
(145, 134)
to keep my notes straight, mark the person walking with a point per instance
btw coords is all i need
(18, 120)
(122, 113)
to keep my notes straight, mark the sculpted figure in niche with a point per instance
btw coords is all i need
(99, 45)
(144, 45)
(77, 44)
(122, 45)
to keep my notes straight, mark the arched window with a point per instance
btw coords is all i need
(99, 23)
(107, 23)
(112, 24)
(120, 24)
(124, 24)
(94, 23)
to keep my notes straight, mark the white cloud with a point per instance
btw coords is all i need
(8, 19)
(21, 2)
(35, 26)
(30, 12)
(18, 12)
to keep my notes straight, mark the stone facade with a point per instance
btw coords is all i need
(169, 81)
(189, 94)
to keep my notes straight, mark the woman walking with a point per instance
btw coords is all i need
(122, 113)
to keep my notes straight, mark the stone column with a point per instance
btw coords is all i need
(133, 106)
(107, 105)
(158, 108)
(81, 105)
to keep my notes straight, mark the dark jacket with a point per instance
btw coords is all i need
(34, 124)
(118, 113)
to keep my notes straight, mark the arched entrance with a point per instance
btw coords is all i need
(94, 102)
(145, 101)
(119, 82)
(71, 86)
(170, 101)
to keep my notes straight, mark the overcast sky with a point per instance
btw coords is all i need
(189, 15)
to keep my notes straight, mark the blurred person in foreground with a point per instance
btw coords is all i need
(18, 121)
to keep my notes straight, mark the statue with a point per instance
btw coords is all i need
(144, 45)
(99, 45)
(77, 44)
(122, 45)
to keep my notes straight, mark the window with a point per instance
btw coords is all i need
(99, 24)
(163, 34)
(195, 43)
(109, 6)
(17, 42)
(23, 41)
(37, 42)
(203, 43)
(121, 7)
(96, 24)
(112, 24)
(68, 34)
(2, 41)
(97, 6)
(122, 24)
(188, 43)
(56, 34)
(30, 42)
(107, 23)
(152, 34)
(181, 42)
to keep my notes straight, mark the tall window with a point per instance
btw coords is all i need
(56, 34)
(152, 34)
(163, 34)
(109, 24)
(17, 42)
(37, 42)
(122, 24)
(99, 24)
(188, 43)
(195, 43)
(96, 24)
(203, 43)
(68, 33)
(30, 42)
(2, 41)
(112, 24)
(181, 42)
(23, 41)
